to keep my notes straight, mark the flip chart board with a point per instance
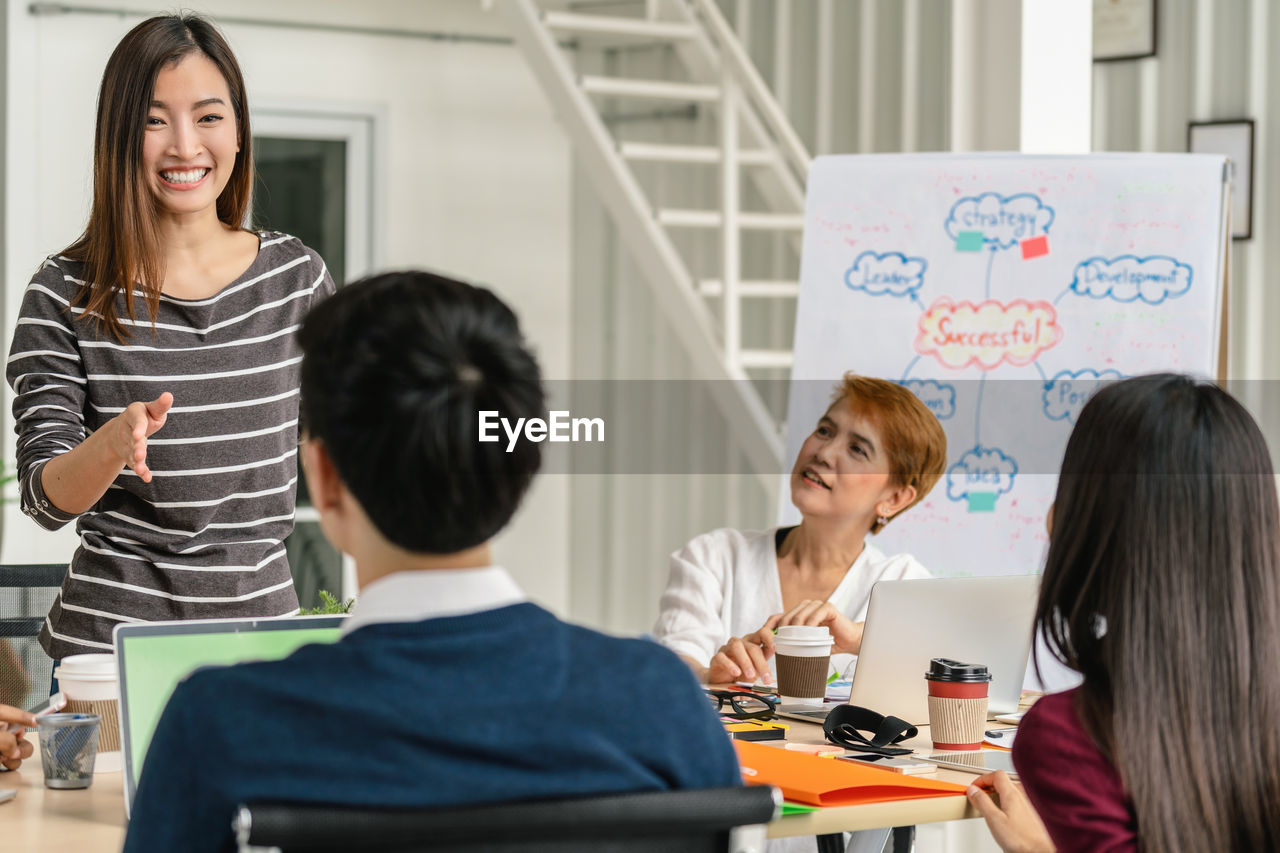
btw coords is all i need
(1002, 289)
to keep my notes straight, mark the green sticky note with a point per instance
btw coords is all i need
(982, 502)
(969, 241)
(796, 808)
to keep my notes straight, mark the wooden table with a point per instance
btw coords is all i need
(40, 818)
(92, 819)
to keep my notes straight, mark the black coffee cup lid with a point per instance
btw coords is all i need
(945, 669)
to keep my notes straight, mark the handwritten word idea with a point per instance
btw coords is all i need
(981, 475)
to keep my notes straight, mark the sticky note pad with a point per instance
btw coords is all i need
(752, 729)
(969, 241)
(797, 808)
(1035, 247)
(982, 502)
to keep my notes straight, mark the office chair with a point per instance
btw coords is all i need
(728, 820)
(26, 594)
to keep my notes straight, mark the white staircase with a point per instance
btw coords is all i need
(755, 143)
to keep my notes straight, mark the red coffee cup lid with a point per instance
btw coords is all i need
(945, 669)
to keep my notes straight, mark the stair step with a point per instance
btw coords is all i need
(657, 153)
(781, 358)
(753, 289)
(677, 218)
(661, 90)
(618, 30)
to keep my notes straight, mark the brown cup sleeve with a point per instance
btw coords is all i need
(109, 728)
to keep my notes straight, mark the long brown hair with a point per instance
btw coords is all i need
(1162, 588)
(120, 247)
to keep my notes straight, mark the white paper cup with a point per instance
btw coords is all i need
(803, 655)
(89, 683)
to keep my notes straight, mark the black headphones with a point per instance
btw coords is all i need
(845, 725)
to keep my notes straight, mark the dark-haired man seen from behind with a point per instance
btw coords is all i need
(447, 686)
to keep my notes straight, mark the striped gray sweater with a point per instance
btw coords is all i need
(204, 538)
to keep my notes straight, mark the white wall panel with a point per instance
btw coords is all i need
(1214, 61)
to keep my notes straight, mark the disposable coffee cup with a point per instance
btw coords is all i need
(68, 746)
(803, 656)
(957, 703)
(90, 685)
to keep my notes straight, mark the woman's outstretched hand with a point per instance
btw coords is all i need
(132, 428)
(76, 480)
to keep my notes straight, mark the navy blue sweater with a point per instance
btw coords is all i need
(507, 704)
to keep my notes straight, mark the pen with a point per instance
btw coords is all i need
(53, 704)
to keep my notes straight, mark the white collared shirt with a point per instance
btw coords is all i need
(725, 584)
(412, 596)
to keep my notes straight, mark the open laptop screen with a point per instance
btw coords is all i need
(153, 657)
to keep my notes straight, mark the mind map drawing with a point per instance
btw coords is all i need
(1002, 290)
(990, 335)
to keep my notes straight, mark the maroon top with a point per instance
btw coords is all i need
(1073, 786)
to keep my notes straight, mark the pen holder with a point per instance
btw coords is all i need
(89, 683)
(68, 747)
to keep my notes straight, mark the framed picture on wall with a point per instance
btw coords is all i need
(1234, 138)
(1123, 29)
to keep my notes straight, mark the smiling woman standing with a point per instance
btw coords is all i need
(154, 359)
(876, 452)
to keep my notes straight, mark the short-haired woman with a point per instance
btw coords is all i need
(875, 452)
(154, 359)
(1162, 589)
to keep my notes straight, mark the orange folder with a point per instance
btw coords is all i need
(829, 781)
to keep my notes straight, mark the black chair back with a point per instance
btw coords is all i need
(26, 594)
(695, 821)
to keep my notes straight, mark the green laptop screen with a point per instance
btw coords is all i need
(153, 664)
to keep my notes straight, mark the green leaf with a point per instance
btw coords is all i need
(329, 604)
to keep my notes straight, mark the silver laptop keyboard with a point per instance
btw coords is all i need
(811, 715)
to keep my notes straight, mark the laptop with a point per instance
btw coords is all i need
(152, 657)
(910, 622)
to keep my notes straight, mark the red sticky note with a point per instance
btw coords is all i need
(1035, 247)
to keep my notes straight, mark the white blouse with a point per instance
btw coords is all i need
(725, 584)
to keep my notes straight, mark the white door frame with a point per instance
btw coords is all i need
(361, 127)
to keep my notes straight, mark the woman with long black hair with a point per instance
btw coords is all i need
(154, 359)
(1162, 589)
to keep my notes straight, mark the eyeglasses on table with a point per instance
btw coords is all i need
(743, 704)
